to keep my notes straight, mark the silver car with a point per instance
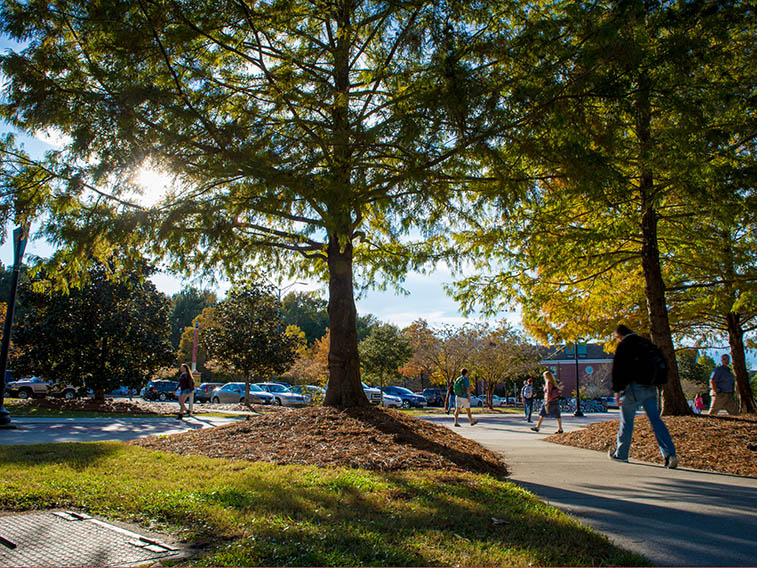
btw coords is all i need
(282, 396)
(233, 393)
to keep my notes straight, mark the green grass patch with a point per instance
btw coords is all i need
(247, 514)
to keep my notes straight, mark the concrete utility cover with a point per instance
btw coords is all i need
(64, 538)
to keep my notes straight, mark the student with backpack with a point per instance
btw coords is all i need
(551, 406)
(462, 397)
(527, 395)
(638, 369)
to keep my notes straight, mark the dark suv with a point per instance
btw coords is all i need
(160, 390)
(434, 397)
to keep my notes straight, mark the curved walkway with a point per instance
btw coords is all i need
(677, 517)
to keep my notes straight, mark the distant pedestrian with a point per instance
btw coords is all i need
(462, 397)
(450, 399)
(699, 403)
(637, 369)
(186, 387)
(551, 406)
(527, 395)
(721, 388)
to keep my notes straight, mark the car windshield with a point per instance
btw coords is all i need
(401, 390)
(255, 388)
(278, 388)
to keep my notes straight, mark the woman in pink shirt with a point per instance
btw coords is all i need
(551, 406)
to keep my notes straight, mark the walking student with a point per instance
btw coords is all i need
(551, 406)
(638, 368)
(721, 389)
(186, 387)
(527, 394)
(462, 397)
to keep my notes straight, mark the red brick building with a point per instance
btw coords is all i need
(594, 368)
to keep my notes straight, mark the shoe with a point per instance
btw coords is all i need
(559, 432)
(534, 428)
(613, 457)
(671, 462)
(474, 423)
(180, 416)
(457, 425)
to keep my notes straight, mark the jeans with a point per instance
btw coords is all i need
(528, 407)
(645, 396)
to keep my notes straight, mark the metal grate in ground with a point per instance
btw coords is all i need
(73, 539)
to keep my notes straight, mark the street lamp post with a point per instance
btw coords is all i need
(20, 237)
(578, 412)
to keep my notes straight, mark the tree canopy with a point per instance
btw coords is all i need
(315, 138)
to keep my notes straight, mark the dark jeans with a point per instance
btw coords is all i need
(528, 407)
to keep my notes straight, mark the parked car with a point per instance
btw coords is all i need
(409, 398)
(282, 396)
(204, 392)
(160, 390)
(312, 393)
(373, 394)
(476, 402)
(37, 387)
(434, 397)
(609, 401)
(233, 393)
(391, 401)
(123, 391)
(498, 400)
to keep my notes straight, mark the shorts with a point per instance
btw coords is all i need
(550, 410)
(462, 402)
(185, 391)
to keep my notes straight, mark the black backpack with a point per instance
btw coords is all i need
(652, 366)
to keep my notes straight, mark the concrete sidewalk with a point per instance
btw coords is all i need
(50, 430)
(673, 517)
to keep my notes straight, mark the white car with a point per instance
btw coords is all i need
(391, 401)
(374, 395)
(498, 400)
(476, 401)
(282, 396)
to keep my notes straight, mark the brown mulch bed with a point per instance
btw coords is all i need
(370, 438)
(136, 406)
(716, 443)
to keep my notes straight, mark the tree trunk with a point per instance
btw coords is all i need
(673, 400)
(344, 388)
(738, 356)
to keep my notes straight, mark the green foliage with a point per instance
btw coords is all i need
(308, 312)
(205, 320)
(707, 364)
(689, 367)
(103, 335)
(304, 516)
(185, 307)
(248, 333)
(382, 354)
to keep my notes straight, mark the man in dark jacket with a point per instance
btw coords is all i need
(631, 370)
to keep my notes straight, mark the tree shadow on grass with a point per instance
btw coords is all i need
(76, 454)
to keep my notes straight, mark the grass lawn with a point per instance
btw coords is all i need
(20, 410)
(246, 514)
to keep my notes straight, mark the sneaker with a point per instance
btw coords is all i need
(474, 423)
(457, 425)
(611, 454)
(560, 432)
(671, 462)
(534, 428)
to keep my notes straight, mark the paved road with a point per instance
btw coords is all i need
(673, 517)
(48, 430)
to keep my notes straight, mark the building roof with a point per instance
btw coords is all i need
(557, 353)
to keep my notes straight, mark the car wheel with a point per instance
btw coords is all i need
(405, 404)
(162, 397)
(69, 394)
(277, 401)
(216, 400)
(23, 394)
